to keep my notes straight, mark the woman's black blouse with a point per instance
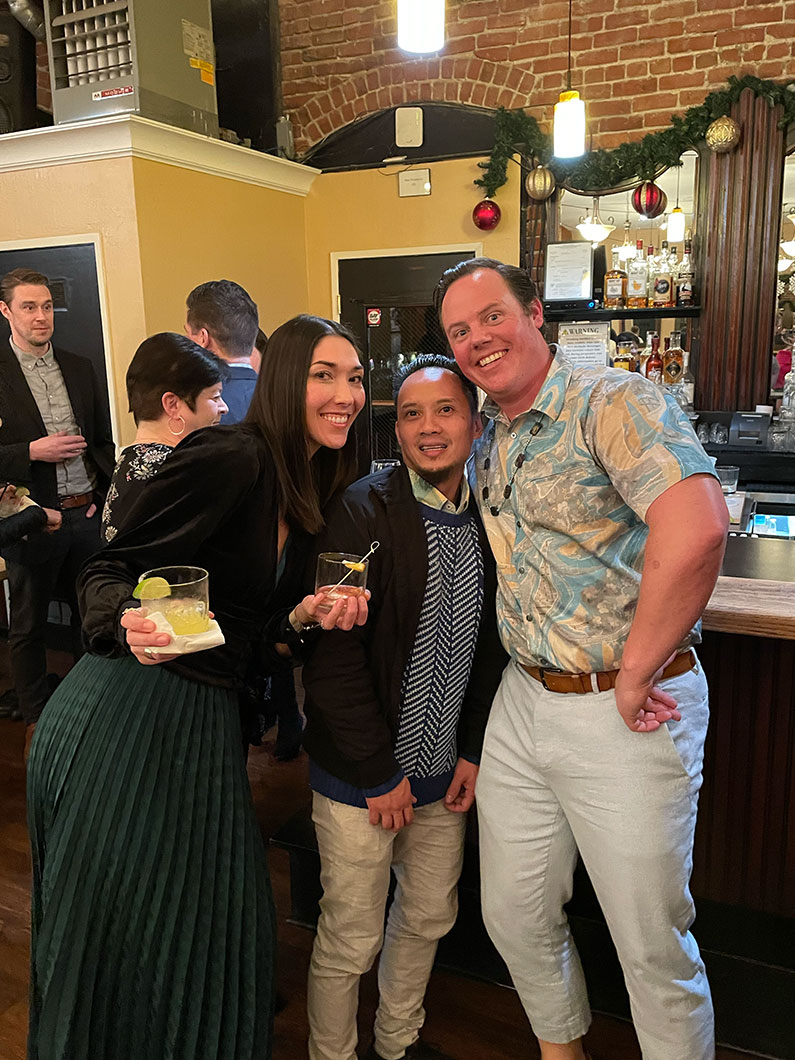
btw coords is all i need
(212, 504)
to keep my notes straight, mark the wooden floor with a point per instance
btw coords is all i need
(467, 1019)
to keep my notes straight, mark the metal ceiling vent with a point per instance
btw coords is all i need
(141, 57)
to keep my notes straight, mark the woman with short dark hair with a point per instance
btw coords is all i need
(152, 918)
(173, 388)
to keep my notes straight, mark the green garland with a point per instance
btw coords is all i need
(630, 163)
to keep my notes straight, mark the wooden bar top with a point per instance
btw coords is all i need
(755, 593)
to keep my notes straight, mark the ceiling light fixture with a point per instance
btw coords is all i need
(568, 125)
(676, 218)
(420, 26)
(593, 228)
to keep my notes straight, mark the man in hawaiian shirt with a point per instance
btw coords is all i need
(608, 529)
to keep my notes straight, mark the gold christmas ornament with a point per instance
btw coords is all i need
(723, 135)
(540, 183)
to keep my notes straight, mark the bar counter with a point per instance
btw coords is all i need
(755, 593)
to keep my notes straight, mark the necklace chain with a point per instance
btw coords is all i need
(496, 509)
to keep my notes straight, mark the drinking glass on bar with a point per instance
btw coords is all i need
(340, 574)
(181, 595)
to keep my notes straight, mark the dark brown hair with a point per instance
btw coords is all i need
(228, 313)
(435, 360)
(16, 278)
(518, 280)
(278, 408)
(165, 363)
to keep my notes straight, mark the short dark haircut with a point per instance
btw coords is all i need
(278, 409)
(16, 278)
(518, 280)
(435, 360)
(173, 363)
(228, 313)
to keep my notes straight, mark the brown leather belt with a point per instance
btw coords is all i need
(80, 500)
(560, 681)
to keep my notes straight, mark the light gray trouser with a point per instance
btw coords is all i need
(355, 862)
(561, 773)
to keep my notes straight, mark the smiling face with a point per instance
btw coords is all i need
(496, 343)
(334, 392)
(436, 427)
(30, 314)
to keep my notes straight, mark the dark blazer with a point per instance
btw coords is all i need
(21, 423)
(238, 391)
(353, 680)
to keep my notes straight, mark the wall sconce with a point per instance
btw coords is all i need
(420, 26)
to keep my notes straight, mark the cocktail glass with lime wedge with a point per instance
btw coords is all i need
(180, 594)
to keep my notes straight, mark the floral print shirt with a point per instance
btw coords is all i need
(600, 445)
(136, 465)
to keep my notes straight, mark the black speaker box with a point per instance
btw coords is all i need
(17, 76)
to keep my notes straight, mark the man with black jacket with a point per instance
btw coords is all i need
(396, 712)
(55, 440)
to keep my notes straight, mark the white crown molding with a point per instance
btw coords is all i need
(129, 136)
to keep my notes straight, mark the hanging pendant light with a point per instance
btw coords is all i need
(627, 250)
(593, 228)
(568, 125)
(420, 26)
(676, 218)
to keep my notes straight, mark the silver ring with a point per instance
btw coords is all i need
(149, 653)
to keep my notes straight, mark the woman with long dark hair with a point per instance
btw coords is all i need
(152, 920)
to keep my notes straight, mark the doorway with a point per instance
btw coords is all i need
(386, 301)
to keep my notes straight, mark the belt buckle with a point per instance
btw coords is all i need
(544, 670)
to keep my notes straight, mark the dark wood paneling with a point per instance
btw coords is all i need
(740, 208)
(745, 838)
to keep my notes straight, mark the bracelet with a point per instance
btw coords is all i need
(296, 623)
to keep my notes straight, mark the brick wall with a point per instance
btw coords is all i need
(634, 62)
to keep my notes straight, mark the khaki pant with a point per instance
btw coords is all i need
(355, 862)
(561, 773)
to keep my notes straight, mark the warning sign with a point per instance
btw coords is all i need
(109, 93)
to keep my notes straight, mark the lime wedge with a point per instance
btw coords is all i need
(349, 563)
(152, 589)
(22, 491)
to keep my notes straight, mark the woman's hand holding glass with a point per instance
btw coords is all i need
(345, 613)
(142, 637)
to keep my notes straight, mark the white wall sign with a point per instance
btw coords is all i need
(414, 182)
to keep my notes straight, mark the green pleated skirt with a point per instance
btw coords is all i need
(153, 929)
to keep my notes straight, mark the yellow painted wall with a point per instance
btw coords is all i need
(195, 227)
(361, 210)
(86, 198)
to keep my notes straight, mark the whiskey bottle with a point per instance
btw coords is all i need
(674, 361)
(651, 269)
(685, 277)
(637, 279)
(654, 363)
(688, 385)
(661, 287)
(615, 284)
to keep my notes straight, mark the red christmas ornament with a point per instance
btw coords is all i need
(486, 215)
(649, 200)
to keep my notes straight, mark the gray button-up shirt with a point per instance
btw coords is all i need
(46, 383)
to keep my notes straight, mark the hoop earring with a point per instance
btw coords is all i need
(177, 434)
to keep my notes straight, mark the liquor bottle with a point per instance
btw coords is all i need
(615, 284)
(637, 278)
(685, 277)
(654, 364)
(661, 284)
(645, 353)
(688, 385)
(674, 361)
(651, 268)
(623, 358)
